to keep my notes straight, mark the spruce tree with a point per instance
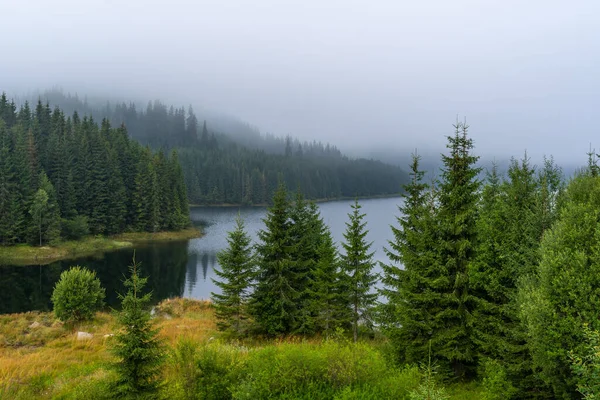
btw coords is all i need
(274, 302)
(452, 336)
(357, 265)
(138, 349)
(236, 274)
(410, 279)
(327, 292)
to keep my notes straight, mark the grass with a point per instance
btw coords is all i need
(46, 361)
(24, 254)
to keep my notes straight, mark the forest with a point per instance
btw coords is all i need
(490, 292)
(65, 177)
(494, 281)
(232, 162)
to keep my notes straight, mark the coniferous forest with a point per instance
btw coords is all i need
(233, 163)
(492, 279)
(69, 176)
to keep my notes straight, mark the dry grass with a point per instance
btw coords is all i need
(47, 361)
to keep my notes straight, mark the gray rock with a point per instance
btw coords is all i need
(84, 336)
(35, 325)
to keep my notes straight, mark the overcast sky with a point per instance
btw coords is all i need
(387, 74)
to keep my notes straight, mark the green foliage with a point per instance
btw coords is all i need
(138, 349)
(452, 337)
(274, 301)
(52, 167)
(75, 228)
(184, 359)
(357, 266)
(495, 382)
(406, 317)
(235, 277)
(563, 294)
(586, 367)
(429, 389)
(310, 371)
(77, 295)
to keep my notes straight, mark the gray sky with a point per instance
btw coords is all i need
(363, 74)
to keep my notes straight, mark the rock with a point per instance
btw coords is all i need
(84, 336)
(167, 316)
(109, 335)
(35, 325)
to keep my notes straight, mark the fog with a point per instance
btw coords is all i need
(364, 75)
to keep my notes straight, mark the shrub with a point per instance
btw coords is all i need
(305, 370)
(495, 382)
(77, 295)
(587, 367)
(74, 229)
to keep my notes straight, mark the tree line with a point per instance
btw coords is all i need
(233, 163)
(495, 279)
(66, 177)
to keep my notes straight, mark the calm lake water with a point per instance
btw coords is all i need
(179, 268)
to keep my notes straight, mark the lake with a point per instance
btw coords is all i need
(182, 268)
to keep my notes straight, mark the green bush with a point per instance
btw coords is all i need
(495, 382)
(77, 295)
(74, 229)
(306, 371)
(587, 366)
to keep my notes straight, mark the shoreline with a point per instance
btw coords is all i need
(318, 201)
(24, 254)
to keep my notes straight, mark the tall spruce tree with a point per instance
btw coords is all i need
(274, 302)
(357, 264)
(410, 279)
(236, 274)
(327, 291)
(452, 337)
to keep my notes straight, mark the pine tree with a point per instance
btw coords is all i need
(273, 303)
(357, 264)
(452, 337)
(235, 278)
(138, 349)
(406, 317)
(305, 230)
(327, 290)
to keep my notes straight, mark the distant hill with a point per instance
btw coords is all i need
(225, 160)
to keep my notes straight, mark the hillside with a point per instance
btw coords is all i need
(232, 162)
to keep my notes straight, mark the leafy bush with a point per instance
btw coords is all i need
(74, 229)
(321, 371)
(587, 366)
(77, 295)
(495, 382)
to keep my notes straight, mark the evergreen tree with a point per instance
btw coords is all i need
(327, 290)
(45, 212)
(235, 279)
(138, 349)
(407, 316)
(357, 264)
(452, 337)
(274, 302)
(145, 196)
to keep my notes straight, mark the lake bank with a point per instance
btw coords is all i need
(25, 254)
(318, 201)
